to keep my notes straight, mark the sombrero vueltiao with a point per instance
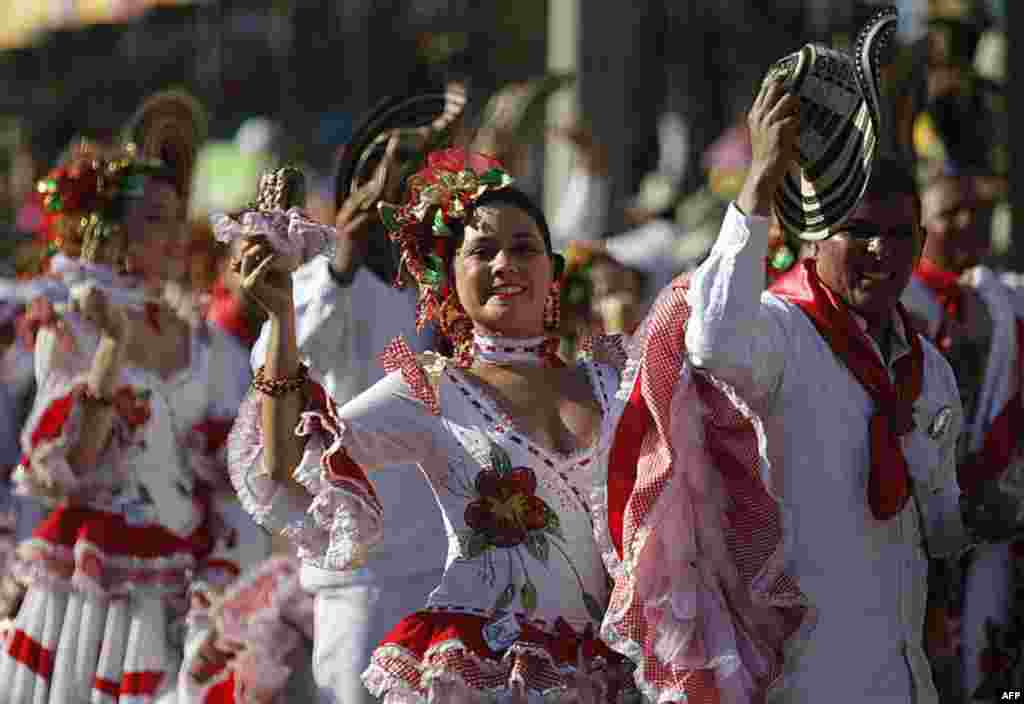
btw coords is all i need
(840, 123)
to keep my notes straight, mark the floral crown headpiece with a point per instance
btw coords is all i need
(87, 194)
(445, 191)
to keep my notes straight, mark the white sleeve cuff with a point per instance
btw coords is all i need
(738, 229)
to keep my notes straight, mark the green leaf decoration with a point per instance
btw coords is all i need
(133, 184)
(477, 545)
(500, 461)
(54, 203)
(783, 258)
(432, 278)
(435, 263)
(387, 216)
(537, 545)
(594, 607)
(552, 524)
(506, 597)
(434, 272)
(440, 227)
(492, 177)
(528, 597)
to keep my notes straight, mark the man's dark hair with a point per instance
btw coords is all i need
(890, 176)
(390, 113)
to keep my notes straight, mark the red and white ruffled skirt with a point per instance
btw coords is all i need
(96, 620)
(441, 656)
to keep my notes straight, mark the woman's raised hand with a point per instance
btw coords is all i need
(266, 276)
(95, 307)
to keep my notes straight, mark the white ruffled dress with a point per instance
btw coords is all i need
(525, 587)
(108, 570)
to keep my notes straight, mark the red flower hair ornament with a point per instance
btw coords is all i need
(86, 195)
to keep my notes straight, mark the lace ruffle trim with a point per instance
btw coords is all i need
(451, 672)
(87, 568)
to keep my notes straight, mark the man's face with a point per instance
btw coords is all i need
(950, 212)
(870, 258)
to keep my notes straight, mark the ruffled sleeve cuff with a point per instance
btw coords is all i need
(51, 432)
(343, 519)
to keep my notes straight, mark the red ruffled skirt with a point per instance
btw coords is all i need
(444, 656)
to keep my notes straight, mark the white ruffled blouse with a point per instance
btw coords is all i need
(520, 517)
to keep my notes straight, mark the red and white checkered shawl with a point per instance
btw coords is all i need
(700, 601)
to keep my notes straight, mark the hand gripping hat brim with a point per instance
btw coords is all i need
(840, 124)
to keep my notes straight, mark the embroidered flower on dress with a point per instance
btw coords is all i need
(505, 513)
(508, 508)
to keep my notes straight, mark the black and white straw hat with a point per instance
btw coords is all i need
(840, 124)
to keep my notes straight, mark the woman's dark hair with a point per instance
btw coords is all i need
(516, 198)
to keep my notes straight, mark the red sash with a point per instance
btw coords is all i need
(889, 482)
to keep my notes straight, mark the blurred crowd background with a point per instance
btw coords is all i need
(645, 98)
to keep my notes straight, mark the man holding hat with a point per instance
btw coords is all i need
(861, 414)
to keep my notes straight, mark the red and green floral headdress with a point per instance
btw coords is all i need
(443, 192)
(85, 197)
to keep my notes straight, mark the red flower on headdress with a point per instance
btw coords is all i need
(71, 188)
(459, 159)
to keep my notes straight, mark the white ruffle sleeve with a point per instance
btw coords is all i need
(341, 521)
(54, 425)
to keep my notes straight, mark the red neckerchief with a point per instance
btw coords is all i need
(946, 287)
(889, 483)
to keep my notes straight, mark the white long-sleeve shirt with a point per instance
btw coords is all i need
(866, 577)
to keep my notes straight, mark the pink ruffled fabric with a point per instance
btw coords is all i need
(290, 232)
(261, 497)
(267, 611)
(701, 602)
(344, 519)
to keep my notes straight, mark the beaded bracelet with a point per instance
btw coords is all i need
(281, 385)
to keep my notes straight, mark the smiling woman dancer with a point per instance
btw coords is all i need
(121, 393)
(517, 446)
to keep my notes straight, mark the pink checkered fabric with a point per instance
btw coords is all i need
(398, 356)
(743, 603)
